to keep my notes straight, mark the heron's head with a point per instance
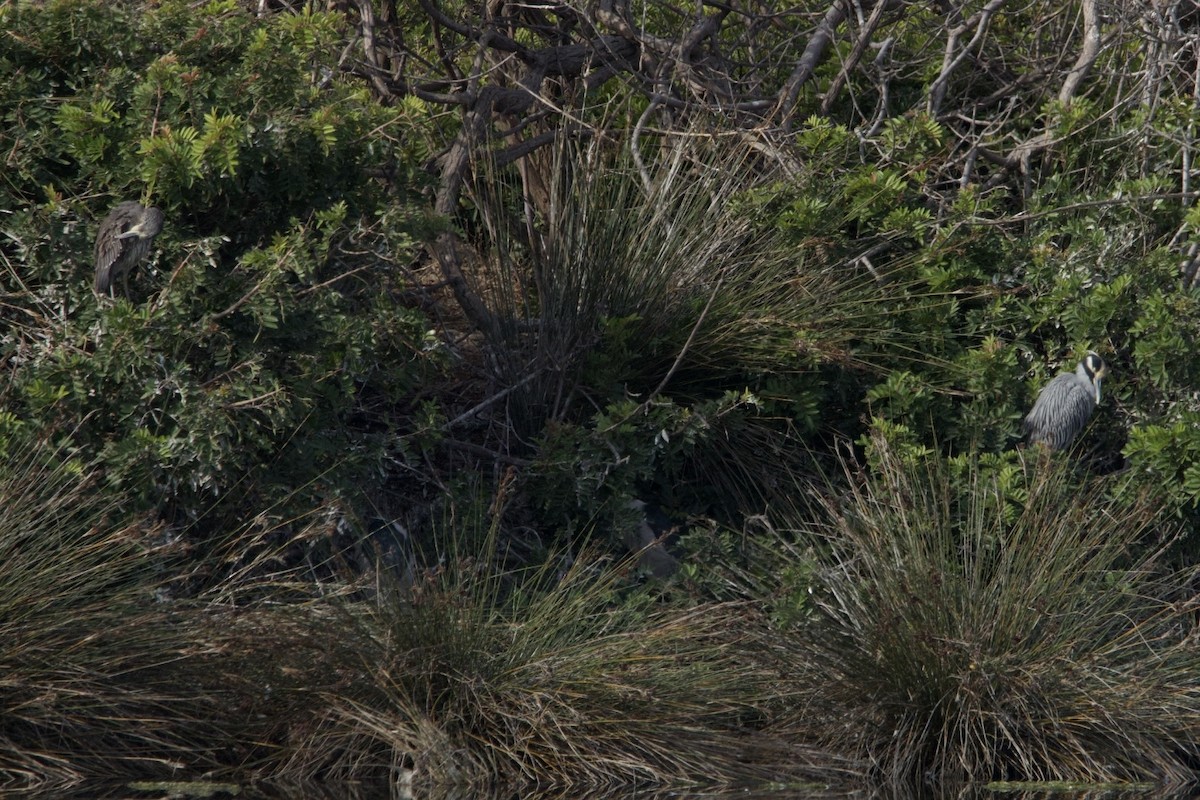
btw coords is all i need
(147, 227)
(1095, 370)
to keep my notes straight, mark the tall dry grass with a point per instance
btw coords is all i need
(473, 674)
(87, 659)
(659, 272)
(107, 675)
(965, 633)
(474, 677)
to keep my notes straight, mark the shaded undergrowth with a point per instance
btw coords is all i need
(951, 629)
(468, 674)
(562, 675)
(940, 623)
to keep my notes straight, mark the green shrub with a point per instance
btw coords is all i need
(262, 362)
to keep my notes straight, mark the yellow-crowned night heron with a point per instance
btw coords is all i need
(1065, 404)
(123, 240)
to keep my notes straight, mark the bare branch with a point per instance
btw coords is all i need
(1087, 53)
(455, 164)
(860, 47)
(979, 20)
(1022, 155)
(813, 54)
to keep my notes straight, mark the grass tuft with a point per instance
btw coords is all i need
(85, 652)
(539, 679)
(657, 274)
(963, 634)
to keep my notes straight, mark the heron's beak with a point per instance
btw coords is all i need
(1097, 381)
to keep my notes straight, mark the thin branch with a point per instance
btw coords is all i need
(489, 401)
(884, 102)
(687, 345)
(479, 450)
(979, 20)
(241, 301)
(1067, 209)
(818, 43)
(1190, 130)
(851, 63)
(635, 151)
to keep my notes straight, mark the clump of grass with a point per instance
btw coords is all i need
(105, 676)
(86, 654)
(654, 268)
(622, 273)
(964, 632)
(472, 676)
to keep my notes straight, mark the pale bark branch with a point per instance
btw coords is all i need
(979, 21)
(860, 47)
(813, 54)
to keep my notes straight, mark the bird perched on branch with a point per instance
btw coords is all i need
(1065, 404)
(124, 240)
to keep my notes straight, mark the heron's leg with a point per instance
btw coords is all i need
(125, 283)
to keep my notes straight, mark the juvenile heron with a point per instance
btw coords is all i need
(1065, 404)
(124, 240)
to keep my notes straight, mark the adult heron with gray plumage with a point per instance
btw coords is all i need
(1065, 404)
(123, 240)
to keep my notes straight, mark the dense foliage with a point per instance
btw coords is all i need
(259, 363)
